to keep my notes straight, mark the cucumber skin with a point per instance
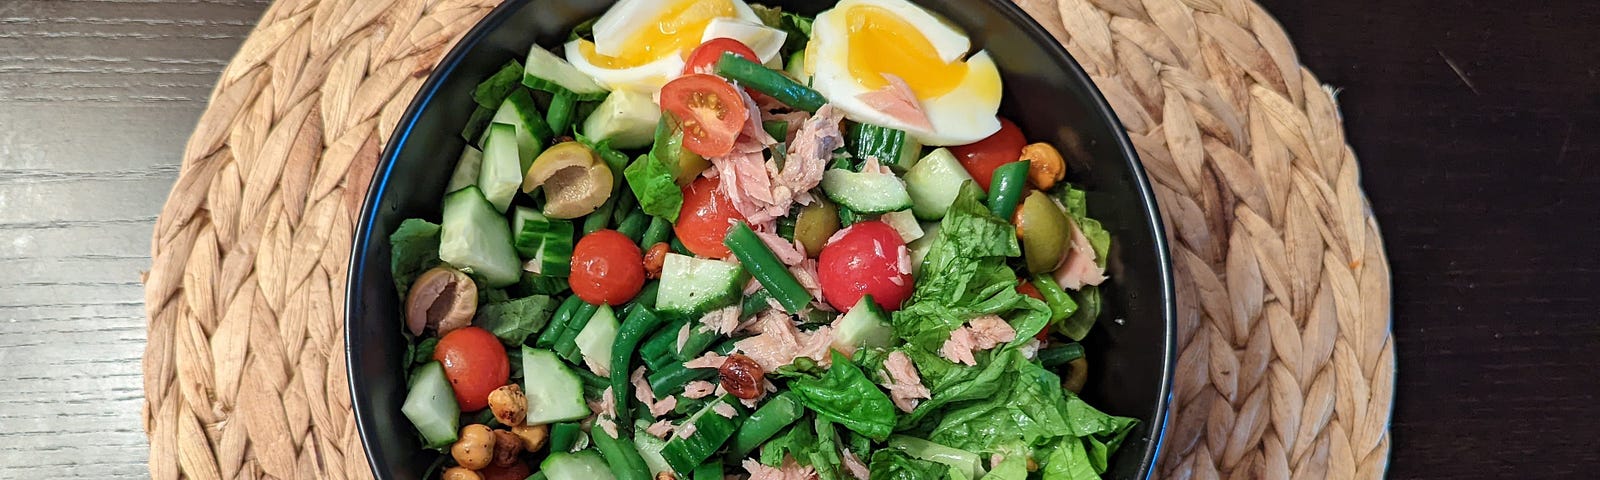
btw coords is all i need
(500, 175)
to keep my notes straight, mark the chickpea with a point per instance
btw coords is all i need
(742, 377)
(533, 436)
(666, 475)
(475, 448)
(509, 405)
(459, 473)
(1046, 166)
(507, 446)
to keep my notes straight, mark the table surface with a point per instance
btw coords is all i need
(1477, 123)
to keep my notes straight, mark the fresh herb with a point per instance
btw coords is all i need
(414, 248)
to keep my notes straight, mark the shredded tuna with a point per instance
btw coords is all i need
(806, 273)
(905, 385)
(723, 320)
(709, 360)
(809, 152)
(995, 461)
(788, 471)
(664, 406)
(779, 343)
(872, 165)
(642, 392)
(1079, 268)
(980, 333)
(751, 286)
(903, 260)
(604, 411)
(598, 369)
(724, 409)
(783, 249)
(898, 102)
(794, 119)
(853, 464)
(698, 389)
(660, 429)
(1030, 348)
(838, 235)
(683, 431)
(683, 336)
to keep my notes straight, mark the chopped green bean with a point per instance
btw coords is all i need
(1006, 189)
(770, 82)
(757, 259)
(558, 323)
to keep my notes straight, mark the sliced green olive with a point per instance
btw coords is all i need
(1044, 231)
(574, 179)
(816, 223)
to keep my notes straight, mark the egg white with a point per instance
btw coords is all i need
(618, 25)
(645, 78)
(765, 41)
(963, 115)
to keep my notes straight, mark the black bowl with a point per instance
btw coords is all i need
(1046, 93)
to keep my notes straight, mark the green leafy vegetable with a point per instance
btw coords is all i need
(652, 182)
(514, 320)
(414, 248)
(896, 465)
(844, 395)
(497, 87)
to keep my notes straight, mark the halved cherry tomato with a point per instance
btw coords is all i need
(607, 268)
(711, 111)
(704, 57)
(981, 158)
(475, 363)
(865, 259)
(517, 471)
(705, 218)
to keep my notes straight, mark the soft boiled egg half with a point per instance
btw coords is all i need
(641, 44)
(858, 45)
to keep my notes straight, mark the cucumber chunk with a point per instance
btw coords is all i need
(594, 342)
(475, 238)
(502, 166)
(518, 110)
(626, 118)
(555, 393)
(545, 71)
(865, 325)
(892, 147)
(468, 167)
(865, 192)
(934, 182)
(694, 286)
(583, 465)
(545, 243)
(431, 406)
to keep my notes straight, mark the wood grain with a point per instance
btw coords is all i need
(1478, 124)
(96, 99)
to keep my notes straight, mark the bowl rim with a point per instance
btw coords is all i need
(503, 12)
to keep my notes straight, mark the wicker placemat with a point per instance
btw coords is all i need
(1287, 364)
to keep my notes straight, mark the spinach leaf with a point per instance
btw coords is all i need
(844, 395)
(513, 321)
(413, 249)
(652, 183)
(497, 87)
(896, 465)
(1065, 459)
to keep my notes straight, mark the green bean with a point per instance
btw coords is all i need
(633, 226)
(558, 323)
(755, 303)
(762, 264)
(1061, 304)
(679, 248)
(626, 205)
(560, 114)
(674, 376)
(601, 218)
(770, 82)
(779, 129)
(567, 345)
(640, 323)
(711, 470)
(1056, 356)
(647, 295)
(622, 457)
(777, 413)
(563, 436)
(657, 232)
(657, 350)
(1006, 189)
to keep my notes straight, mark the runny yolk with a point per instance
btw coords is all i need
(676, 30)
(880, 42)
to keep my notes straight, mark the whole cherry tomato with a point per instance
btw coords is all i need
(475, 363)
(866, 258)
(607, 268)
(705, 218)
(981, 158)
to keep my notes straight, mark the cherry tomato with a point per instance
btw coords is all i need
(475, 363)
(607, 268)
(704, 220)
(711, 111)
(981, 158)
(1027, 288)
(517, 471)
(865, 259)
(704, 57)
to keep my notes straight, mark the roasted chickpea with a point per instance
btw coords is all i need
(507, 446)
(1046, 166)
(533, 436)
(742, 377)
(475, 449)
(655, 258)
(509, 405)
(666, 475)
(461, 473)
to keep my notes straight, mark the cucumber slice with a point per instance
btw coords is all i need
(934, 182)
(533, 133)
(796, 67)
(555, 393)
(475, 238)
(892, 147)
(694, 286)
(904, 222)
(594, 342)
(650, 450)
(584, 465)
(546, 243)
(468, 167)
(919, 249)
(431, 406)
(626, 118)
(502, 167)
(865, 325)
(865, 192)
(545, 71)
(711, 430)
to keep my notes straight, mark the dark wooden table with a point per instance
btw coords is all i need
(1477, 123)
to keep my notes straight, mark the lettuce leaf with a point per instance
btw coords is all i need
(890, 464)
(846, 396)
(652, 183)
(413, 249)
(513, 321)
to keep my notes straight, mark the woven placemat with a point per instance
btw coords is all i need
(1286, 367)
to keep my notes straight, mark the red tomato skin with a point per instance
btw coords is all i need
(517, 471)
(1026, 288)
(607, 268)
(981, 158)
(852, 266)
(710, 109)
(475, 363)
(704, 57)
(705, 218)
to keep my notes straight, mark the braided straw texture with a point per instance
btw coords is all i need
(1286, 367)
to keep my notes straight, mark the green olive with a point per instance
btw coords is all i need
(574, 179)
(1044, 231)
(816, 223)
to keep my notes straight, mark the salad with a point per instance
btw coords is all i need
(710, 239)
